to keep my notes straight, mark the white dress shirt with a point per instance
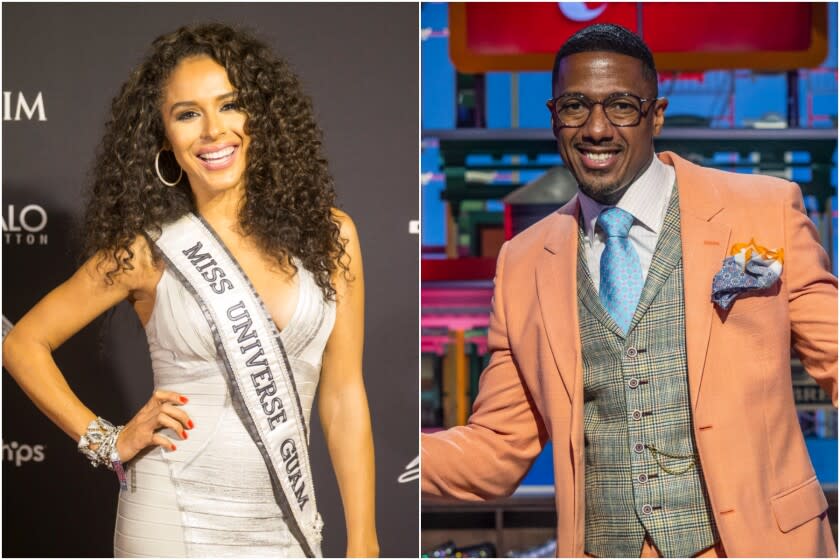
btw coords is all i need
(647, 200)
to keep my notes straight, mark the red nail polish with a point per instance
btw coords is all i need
(184, 399)
(190, 424)
(173, 447)
(184, 435)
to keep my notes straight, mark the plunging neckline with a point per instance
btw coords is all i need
(257, 296)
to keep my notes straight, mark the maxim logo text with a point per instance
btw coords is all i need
(15, 103)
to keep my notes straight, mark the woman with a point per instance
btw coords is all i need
(211, 212)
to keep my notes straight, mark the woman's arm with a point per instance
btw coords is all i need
(343, 405)
(27, 349)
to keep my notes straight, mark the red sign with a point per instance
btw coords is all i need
(682, 36)
(511, 27)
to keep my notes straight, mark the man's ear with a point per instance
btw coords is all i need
(659, 114)
(554, 127)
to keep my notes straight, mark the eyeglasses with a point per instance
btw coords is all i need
(621, 109)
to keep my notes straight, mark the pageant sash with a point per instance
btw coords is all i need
(259, 377)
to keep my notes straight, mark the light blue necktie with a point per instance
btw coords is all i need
(621, 271)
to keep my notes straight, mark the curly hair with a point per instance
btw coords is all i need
(289, 192)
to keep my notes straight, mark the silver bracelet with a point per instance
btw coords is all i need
(103, 434)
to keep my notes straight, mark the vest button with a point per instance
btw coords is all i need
(639, 447)
(631, 352)
(633, 383)
(642, 478)
(647, 509)
(637, 415)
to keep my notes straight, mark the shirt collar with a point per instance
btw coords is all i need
(646, 199)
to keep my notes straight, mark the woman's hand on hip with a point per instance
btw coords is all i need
(162, 411)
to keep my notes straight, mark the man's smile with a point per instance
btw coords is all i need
(598, 159)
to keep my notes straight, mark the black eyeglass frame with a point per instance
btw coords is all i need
(551, 104)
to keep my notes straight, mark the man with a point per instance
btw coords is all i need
(672, 419)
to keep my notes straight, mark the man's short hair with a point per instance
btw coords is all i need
(611, 38)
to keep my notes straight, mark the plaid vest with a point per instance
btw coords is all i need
(641, 475)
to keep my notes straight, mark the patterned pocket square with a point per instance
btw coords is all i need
(749, 267)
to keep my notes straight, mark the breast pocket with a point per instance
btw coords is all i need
(763, 315)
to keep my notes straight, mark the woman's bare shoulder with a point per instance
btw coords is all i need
(345, 223)
(348, 275)
(136, 269)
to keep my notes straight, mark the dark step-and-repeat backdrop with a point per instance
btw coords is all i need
(62, 64)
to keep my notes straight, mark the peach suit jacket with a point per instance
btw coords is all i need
(763, 492)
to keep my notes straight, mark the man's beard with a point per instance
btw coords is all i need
(607, 193)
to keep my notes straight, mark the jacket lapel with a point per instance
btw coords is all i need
(666, 257)
(705, 242)
(557, 293)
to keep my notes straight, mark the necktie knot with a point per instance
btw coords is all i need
(615, 222)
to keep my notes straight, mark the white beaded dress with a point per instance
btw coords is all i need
(213, 495)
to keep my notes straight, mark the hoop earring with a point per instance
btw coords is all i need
(157, 170)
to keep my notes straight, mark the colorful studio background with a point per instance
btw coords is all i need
(62, 64)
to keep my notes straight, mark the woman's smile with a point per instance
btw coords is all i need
(218, 157)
